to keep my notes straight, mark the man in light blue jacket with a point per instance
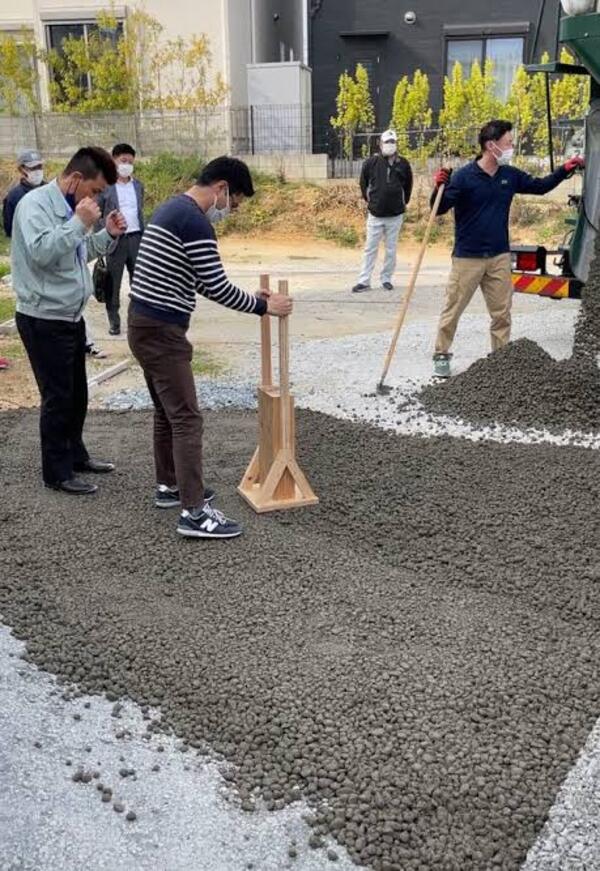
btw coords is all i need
(52, 242)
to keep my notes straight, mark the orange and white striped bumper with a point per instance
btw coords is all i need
(555, 286)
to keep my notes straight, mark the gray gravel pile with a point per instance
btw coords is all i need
(521, 384)
(213, 393)
(417, 657)
(587, 327)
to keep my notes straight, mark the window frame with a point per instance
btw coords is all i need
(484, 36)
(84, 21)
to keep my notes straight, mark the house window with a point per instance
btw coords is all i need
(505, 52)
(22, 97)
(56, 34)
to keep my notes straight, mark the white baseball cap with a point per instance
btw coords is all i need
(389, 136)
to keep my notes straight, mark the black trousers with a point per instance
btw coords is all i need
(56, 351)
(124, 255)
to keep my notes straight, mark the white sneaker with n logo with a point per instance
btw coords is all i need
(207, 523)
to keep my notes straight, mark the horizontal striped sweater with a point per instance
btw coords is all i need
(178, 258)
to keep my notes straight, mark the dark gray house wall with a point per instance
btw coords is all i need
(374, 32)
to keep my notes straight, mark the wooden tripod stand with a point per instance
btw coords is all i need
(274, 481)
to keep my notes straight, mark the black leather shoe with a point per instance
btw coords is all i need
(96, 466)
(74, 486)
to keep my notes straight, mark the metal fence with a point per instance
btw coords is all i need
(246, 130)
(426, 149)
(238, 130)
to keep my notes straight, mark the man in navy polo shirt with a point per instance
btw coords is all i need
(481, 194)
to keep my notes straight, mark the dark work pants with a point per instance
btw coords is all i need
(56, 351)
(124, 255)
(165, 355)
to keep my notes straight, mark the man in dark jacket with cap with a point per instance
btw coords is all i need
(31, 170)
(386, 183)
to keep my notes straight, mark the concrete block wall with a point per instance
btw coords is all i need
(293, 166)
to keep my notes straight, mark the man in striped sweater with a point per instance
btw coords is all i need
(178, 258)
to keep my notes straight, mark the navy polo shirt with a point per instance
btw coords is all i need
(482, 202)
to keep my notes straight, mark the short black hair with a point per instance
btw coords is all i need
(123, 148)
(229, 169)
(493, 131)
(92, 161)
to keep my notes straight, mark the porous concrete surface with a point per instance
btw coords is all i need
(417, 656)
(185, 814)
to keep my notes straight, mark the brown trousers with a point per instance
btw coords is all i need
(492, 274)
(165, 355)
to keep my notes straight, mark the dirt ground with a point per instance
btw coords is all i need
(326, 273)
(320, 275)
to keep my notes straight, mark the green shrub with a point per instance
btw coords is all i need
(7, 308)
(205, 364)
(166, 175)
(346, 236)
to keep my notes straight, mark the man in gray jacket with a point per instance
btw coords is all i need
(52, 242)
(127, 196)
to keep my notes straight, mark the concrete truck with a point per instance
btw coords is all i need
(579, 30)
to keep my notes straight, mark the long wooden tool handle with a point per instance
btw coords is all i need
(266, 366)
(412, 283)
(284, 371)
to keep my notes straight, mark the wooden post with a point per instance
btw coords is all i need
(273, 480)
(266, 365)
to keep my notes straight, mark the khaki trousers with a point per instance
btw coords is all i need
(492, 274)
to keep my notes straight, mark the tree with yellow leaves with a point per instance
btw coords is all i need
(133, 69)
(355, 112)
(481, 103)
(402, 114)
(453, 113)
(412, 112)
(19, 81)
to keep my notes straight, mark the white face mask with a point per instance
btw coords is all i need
(125, 170)
(388, 149)
(215, 215)
(35, 177)
(503, 158)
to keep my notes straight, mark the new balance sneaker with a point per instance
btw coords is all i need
(168, 497)
(207, 523)
(387, 285)
(360, 288)
(441, 365)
